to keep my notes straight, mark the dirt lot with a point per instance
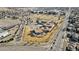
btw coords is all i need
(27, 38)
(8, 22)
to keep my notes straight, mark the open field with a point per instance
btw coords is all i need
(8, 22)
(45, 17)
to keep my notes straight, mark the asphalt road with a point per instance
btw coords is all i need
(22, 48)
(59, 40)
